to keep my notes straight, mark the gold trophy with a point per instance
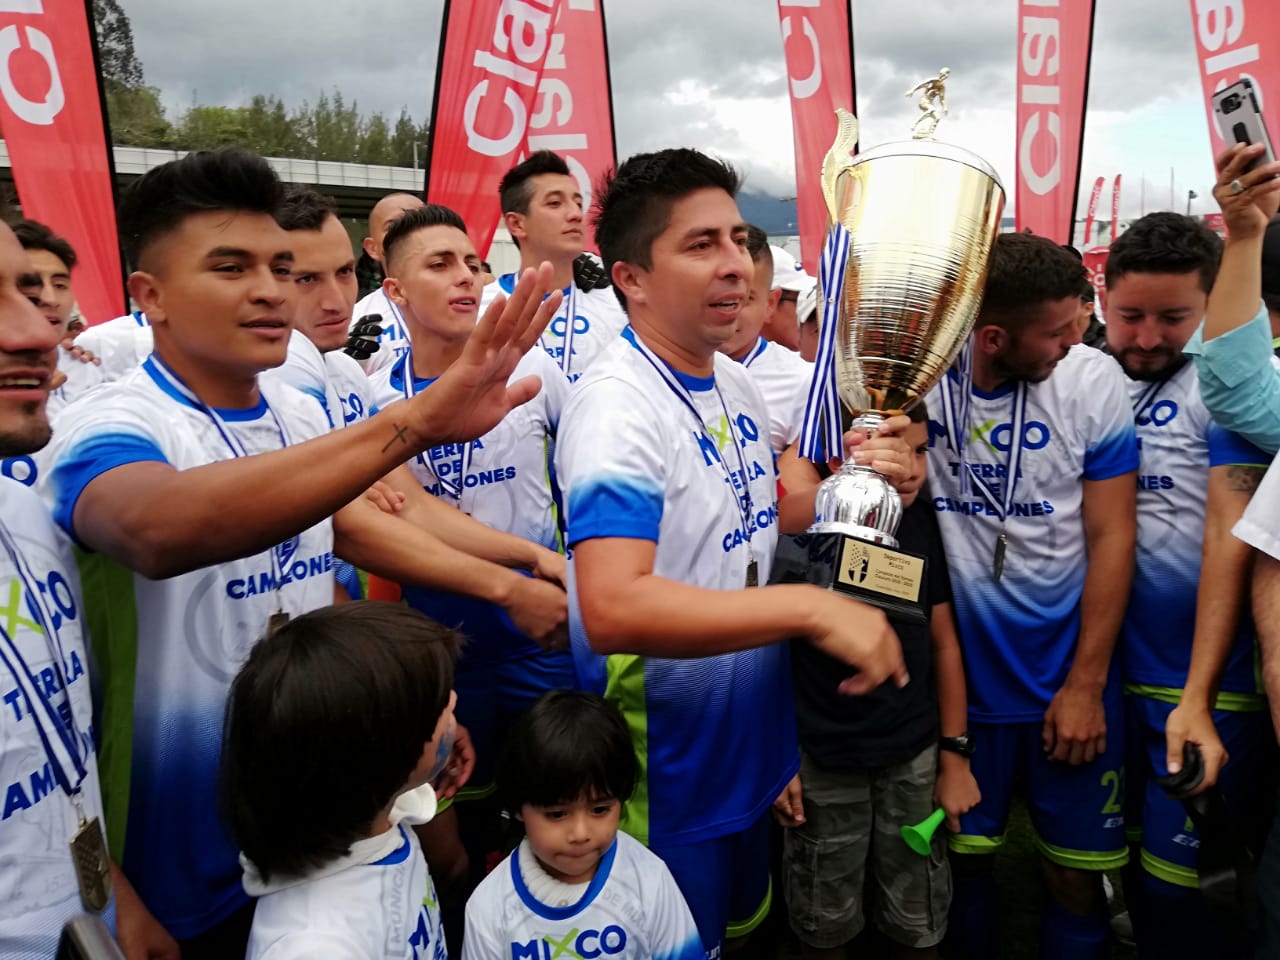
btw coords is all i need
(916, 220)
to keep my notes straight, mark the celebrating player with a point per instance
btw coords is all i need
(542, 210)
(1193, 485)
(208, 515)
(671, 504)
(1039, 536)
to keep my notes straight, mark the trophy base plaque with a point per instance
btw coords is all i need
(877, 573)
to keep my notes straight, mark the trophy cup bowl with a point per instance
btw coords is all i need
(921, 218)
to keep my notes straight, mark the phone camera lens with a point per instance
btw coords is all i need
(1231, 103)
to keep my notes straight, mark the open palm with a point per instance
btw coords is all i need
(473, 396)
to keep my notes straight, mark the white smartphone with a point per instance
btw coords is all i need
(1235, 108)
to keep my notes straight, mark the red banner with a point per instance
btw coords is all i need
(1237, 39)
(1115, 209)
(1095, 261)
(51, 117)
(574, 109)
(491, 60)
(1093, 211)
(1054, 40)
(817, 39)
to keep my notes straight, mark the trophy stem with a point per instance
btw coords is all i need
(858, 501)
(868, 422)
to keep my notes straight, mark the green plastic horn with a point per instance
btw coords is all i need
(919, 836)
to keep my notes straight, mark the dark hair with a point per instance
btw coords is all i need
(1026, 272)
(514, 192)
(1166, 243)
(633, 203)
(304, 209)
(567, 744)
(36, 236)
(919, 413)
(207, 180)
(334, 708)
(758, 247)
(1271, 266)
(411, 221)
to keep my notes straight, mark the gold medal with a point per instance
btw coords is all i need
(93, 870)
(753, 574)
(276, 621)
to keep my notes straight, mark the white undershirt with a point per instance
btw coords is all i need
(545, 888)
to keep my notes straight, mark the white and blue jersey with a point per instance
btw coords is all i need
(39, 892)
(716, 735)
(1019, 632)
(1179, 445)
(631, 910)
(334, 380)
(120, 345)
(598, 319)
(502, 479)
(394, 340)
(783, 377)
(381, 905)
(168, 649)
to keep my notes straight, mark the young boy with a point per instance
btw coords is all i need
(575, 884)
(368, 686)
(873, 764)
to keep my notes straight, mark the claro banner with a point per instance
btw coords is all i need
(492, 54)
(1054, 42)
(817, 37)
(573, 113)
(52, 120)
(1236, 39)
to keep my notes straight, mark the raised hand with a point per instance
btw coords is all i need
(1248, 200)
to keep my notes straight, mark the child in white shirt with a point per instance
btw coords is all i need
(335, 727)
(575, 885)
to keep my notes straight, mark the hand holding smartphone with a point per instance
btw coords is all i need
(1239, 119)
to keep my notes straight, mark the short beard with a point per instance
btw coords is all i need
(30, 433)
(1176, 363)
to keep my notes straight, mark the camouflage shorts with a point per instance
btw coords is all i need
(851, 835)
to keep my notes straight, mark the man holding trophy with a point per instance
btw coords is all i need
(1032, 467)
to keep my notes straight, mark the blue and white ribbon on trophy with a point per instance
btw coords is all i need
(820, 433)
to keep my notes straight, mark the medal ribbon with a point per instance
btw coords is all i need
(743, 502)
(161, 370)
(62, 744)
(1147, 399)
(1003, 506)
(820, 429)
(430, 458)
(956, 411)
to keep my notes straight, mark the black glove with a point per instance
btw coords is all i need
(363, 341)
(1228, 873)
(589, 273)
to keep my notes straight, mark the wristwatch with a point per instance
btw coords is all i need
(962, 744)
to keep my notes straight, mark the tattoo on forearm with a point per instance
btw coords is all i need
(401, 435)
(1244, 479)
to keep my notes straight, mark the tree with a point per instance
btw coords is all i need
(375, 141)
(120, 65)
(403, 140)
(204, 128)
(137, 117)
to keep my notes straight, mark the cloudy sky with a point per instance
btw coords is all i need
(710, 74)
